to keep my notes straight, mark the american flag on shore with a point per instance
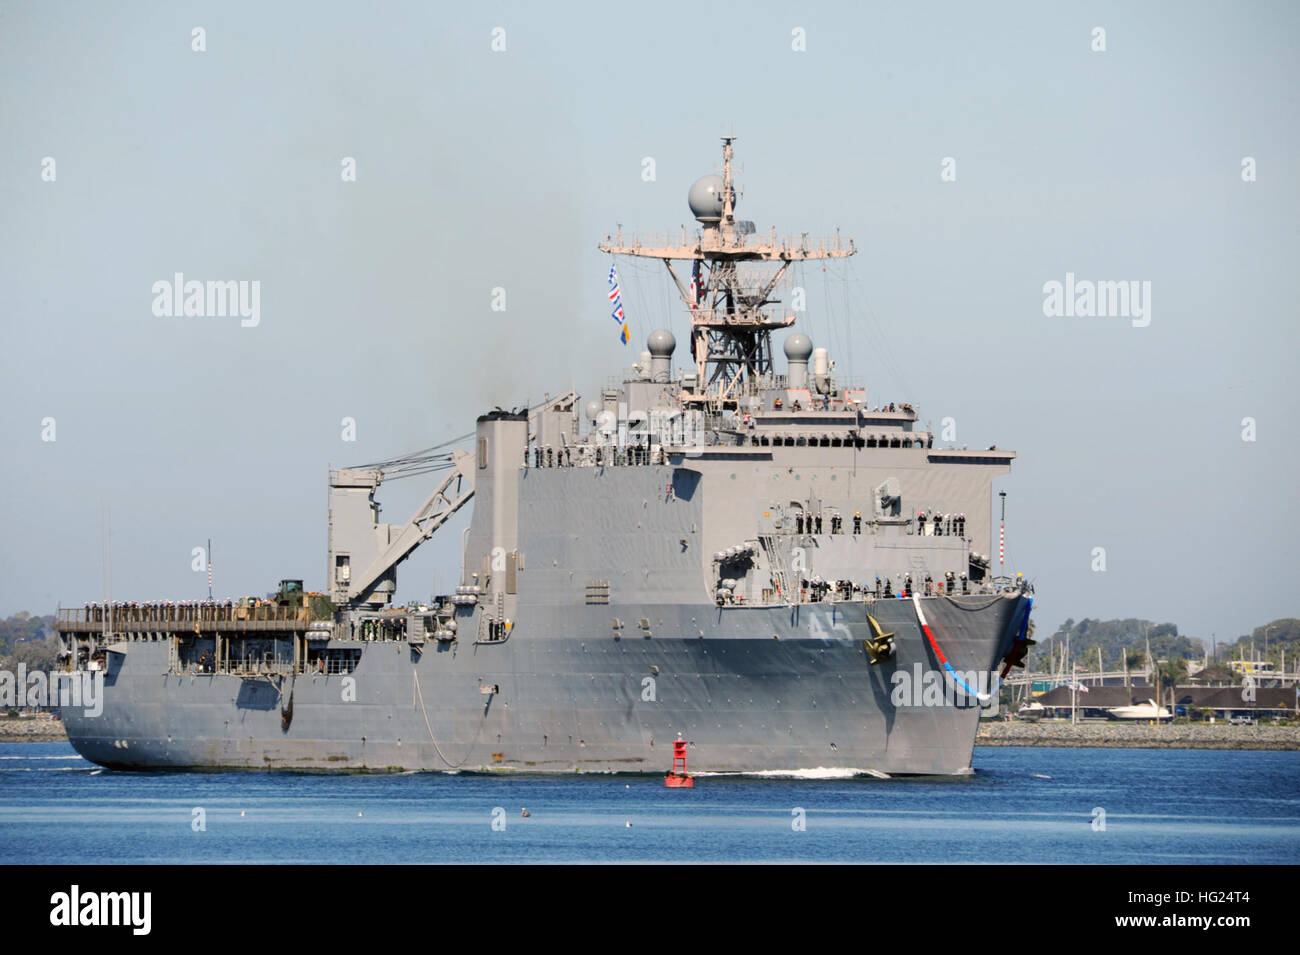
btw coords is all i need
(616, 300)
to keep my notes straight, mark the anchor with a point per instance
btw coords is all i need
(880, 646)
(286, 706)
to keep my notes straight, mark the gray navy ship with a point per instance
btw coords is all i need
(759, 564)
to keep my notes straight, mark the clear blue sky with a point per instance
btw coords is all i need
(479, 169)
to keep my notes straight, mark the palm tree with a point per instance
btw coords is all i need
(1168, 674)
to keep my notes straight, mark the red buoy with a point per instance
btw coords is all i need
(678, 778)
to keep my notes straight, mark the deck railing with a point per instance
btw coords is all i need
(192, 619)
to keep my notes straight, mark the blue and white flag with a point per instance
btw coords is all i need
(615, 293)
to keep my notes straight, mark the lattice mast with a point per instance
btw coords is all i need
(732, 311)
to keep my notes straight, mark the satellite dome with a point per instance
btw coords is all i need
(798, 347)
(593, 410)
(705, 198)
(661, 343)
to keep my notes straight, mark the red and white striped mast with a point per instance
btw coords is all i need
(1002, 533)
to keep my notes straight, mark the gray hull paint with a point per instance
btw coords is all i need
(766, 689)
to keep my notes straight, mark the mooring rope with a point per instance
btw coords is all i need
(967, 607)
(450, 765)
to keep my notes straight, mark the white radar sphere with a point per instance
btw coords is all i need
(705, 198)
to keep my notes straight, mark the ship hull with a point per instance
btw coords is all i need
(755, 689)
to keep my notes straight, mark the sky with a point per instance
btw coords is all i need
(974, 153)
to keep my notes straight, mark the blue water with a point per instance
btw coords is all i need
(1191, 806)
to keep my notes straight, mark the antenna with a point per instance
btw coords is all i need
(106, 567)
(732, 310)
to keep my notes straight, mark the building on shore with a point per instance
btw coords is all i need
(1222, 702)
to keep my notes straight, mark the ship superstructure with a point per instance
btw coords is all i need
(751, 561)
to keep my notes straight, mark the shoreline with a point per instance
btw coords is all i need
(31, 730)
(1111, 735)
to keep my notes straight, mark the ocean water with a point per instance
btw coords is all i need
(1030, 805)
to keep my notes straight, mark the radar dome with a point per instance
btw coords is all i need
(593, 410)
(705, 198)
(798, 347)
(661, 343)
